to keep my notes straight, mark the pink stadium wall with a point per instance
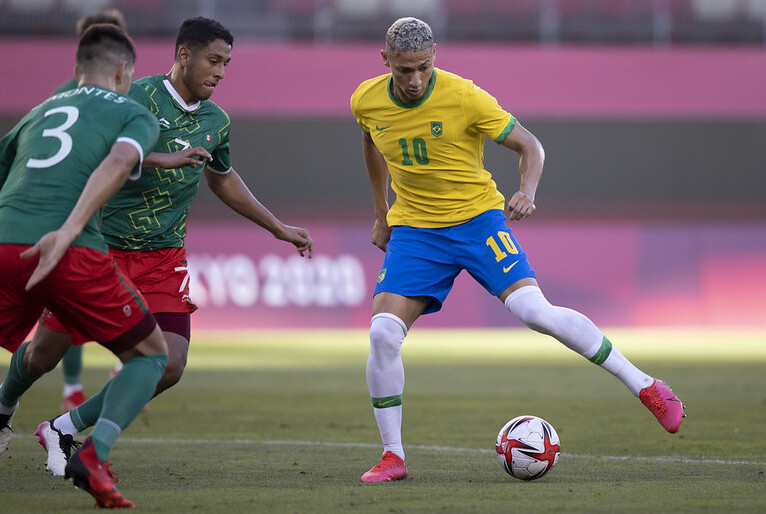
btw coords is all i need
(317, 80)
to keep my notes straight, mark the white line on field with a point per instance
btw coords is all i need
(254, 442)
(249, 442)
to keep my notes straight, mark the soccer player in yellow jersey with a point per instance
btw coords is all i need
(425, 128)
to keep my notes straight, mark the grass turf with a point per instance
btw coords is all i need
(281, 422)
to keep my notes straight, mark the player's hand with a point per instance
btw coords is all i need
(300, 238)
(187, 157)
(381, 233)
(51, 247)
(520, 206)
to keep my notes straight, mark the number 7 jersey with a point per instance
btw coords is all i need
(434, 147)
(151, 213)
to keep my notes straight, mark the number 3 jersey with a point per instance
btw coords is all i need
(48, 157)
(434, 147)
(151, 213)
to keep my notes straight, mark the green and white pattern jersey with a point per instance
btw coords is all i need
(48, 157)
(151, 213)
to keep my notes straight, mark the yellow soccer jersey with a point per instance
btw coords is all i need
(434, 147)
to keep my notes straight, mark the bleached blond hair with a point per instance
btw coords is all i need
(409, 35)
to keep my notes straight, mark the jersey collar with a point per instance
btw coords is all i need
(178, 98)
(431, 84)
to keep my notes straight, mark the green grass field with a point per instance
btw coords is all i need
(281, 422)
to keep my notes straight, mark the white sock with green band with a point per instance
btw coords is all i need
(385, 378)
(576, 332)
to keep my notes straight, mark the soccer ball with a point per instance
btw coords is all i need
(527, 447)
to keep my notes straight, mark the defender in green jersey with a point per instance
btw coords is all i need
(58, 166)
(71, 363)
(146, 221)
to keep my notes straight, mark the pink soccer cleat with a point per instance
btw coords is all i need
(665, 405)
(390, 468)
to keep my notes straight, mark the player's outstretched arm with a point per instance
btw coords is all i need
(182, 158)
(232, 191)
(532, 156)
(377, 172)
(105, 180)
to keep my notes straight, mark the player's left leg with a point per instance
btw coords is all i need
(493, 256)
(526, 301)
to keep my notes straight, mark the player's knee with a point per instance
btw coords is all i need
(37, 361)
(173, 373)
(386, 337)
(531, 307)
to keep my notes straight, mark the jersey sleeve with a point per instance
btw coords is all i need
(355, 109)
(486, 116)
(221, 162)
(140, 130)
(139, 94)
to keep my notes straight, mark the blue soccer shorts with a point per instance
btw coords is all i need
(425, 261)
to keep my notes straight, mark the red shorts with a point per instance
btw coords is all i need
(162, 276)
(85, 289)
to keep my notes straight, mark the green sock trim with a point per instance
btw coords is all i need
(602, 353)
(74, 417)
(387, 401)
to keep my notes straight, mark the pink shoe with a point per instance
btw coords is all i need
(73, 400)
(390, 467)
(665, 406)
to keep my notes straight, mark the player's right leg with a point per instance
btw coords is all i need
(57, 436)
(385, 379)
(123, 398)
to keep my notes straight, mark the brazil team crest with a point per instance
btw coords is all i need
(382, 275)
(436, 128)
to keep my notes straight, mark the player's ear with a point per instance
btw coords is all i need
(183, 55)
(384, 54)
(120, 75)
(77, 73)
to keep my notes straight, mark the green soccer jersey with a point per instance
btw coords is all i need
(48, 157)
(151, 213)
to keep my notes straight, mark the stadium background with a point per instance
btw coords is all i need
(651, 209)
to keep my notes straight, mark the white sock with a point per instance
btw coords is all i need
(71, 389)
(64, 425)
(390, 427)
(576, 332)
(385, 378)
(633, 378)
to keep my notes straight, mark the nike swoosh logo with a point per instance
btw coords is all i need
(381, 129)
(383, 404)
(506, 270)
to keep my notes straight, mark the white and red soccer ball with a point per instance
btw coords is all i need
(527, 447)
